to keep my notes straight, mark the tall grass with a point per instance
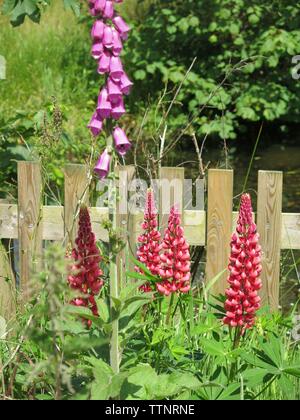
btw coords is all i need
(49, 59)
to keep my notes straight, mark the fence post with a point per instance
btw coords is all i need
(30, 221)
(123, 221)
(269, 224)
(76, 193)
(219, 225)
(171, 192)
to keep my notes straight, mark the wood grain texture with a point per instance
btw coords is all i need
(219, 225)
(269, 225)
(29, 221)
(76, 194)
(170, 193)
(7, 287)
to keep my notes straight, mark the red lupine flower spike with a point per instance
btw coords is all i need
(150, 247)
(245, 267)
(175, 261)
(85, 274)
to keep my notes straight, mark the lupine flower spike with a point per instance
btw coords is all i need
(85, 274)
(245, 267)
(108, 33)
(175, 261)
(149, 241)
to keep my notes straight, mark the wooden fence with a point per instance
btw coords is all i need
(31, 224)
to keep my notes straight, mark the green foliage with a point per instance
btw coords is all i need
(190, 356)
(19, 9)
(220, 34)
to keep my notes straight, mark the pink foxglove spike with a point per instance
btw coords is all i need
(245, 268)
(98, 30)
(114, 92)
(116, 68)
(126, 84)
(103, 165)
(95, 125)
(121, 26)
(104, 105)
(122, 143)
(118, 110)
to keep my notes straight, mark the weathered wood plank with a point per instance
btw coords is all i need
(7, 287)
(29, 221)
(76, 194)
(170, 192)
(219, 225)
(290, 233)
(194, 224)
(269, 224)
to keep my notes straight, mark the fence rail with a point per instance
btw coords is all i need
(31, 223)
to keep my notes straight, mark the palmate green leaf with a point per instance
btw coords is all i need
(256, 377)
(255, 361)
(213, 348)
(293, 370)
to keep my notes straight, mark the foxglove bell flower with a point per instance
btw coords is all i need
(245, 267)
(118, 110)
(122, 143)
(85, 274)
(95, 125)
(104, 106)
(103, 165)
(121, 26)
(175, 267)
(149, 241)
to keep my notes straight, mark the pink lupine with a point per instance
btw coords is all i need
(175, 267)
(108, 33)
(245, 267)
(85, 274)
(149, 241)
